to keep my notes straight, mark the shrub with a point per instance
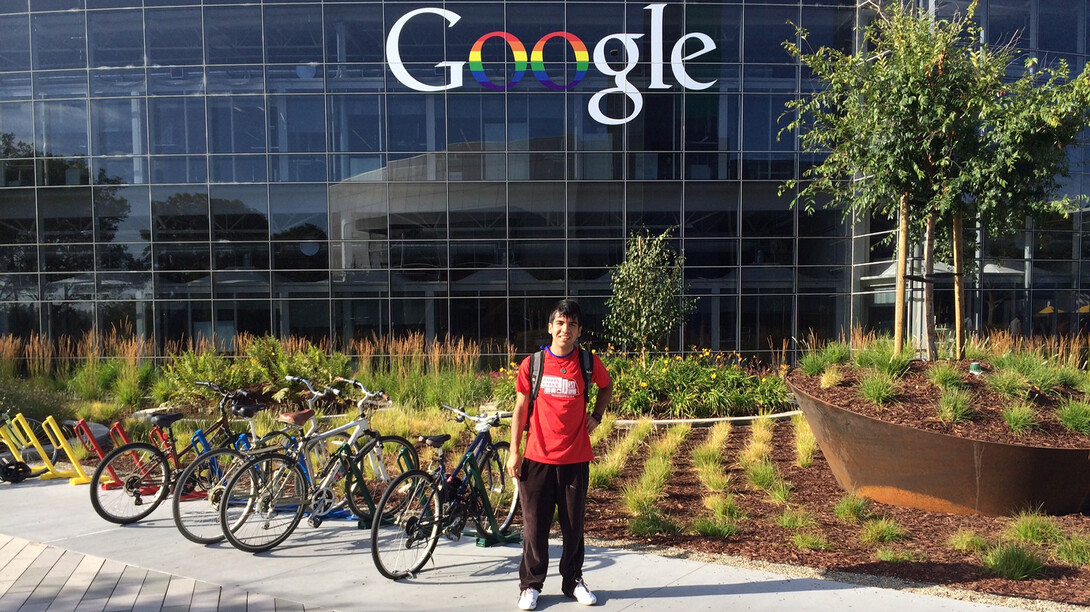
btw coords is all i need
(715, 528)
(852, 508)
(1020, 417)
(881, 530)
(967, 540)
(831, 377)
(805, 442)
(1009, 383)
(1074, 551)
(18, 396)
(1012, 561)
(761, 475)
(878, 388)
(795, 518)
(836, 353)
(879, 356)
(945, 375)
(812, 364)
(1075, 415)
(811, 541)
(954, 406)
(1033, 527)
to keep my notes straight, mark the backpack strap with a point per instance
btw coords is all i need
(537, 369)
(586, 362)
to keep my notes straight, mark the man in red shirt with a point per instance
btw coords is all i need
(553, 468)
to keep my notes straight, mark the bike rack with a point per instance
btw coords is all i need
(56, 438)
(118, 435)
(87, 439)
(75, 476)
(497, 537)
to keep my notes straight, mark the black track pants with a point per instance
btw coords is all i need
(542, 488)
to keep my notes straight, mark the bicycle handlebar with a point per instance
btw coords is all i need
(314, 394)
(368, 396)
(484, 417)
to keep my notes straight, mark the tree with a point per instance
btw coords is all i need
(924, 125)
(648, 301)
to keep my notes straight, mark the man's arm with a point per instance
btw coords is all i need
(600, 404)
(518, 425)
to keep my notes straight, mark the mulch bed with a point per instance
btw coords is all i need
(815, 490)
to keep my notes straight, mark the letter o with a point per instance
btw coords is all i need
(582, 60)
(476, 66)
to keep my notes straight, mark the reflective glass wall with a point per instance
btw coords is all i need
(351, 168)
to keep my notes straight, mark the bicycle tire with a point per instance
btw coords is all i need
(143, 481)
(263, 503)
(402, 545)
(503, 491)
(391, 457)
(199, 490)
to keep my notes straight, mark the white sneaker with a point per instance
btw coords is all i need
(528, 599)
(582, 594)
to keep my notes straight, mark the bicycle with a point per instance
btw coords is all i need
(196, 513)
(425, 505)
(133, 479)
(264, 501)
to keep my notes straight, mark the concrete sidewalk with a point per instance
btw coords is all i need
(330, 568)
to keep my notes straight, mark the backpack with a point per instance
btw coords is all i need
(537, 369)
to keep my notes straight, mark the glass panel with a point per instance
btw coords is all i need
(418, 211)
(242, 256)
(356, 123)
(357, 168)
(19, 319)
(15, 259)
(416, 122)
(830, 27)
(478, 210)
(358, 211)
(307, 168)
(714, 324)
(16, 172)
(362, 283)
(710, 253)
(298, 212)
(241, 284)
(60, 127)
(65, 215)
(239, 212)
(293, 34)
(58, 40)
(723, 24)
(182, 321)
(60, 84)
(123, 257)
(15, 86)
(296, 123)
(175, 81)
(232, 35)
(765, 29)
(711, 122)
(179, 169)
(536, 210)
(659, 125)
(300, 78)
(653, 206)
(476, 122)
(304, 319)
(174, 36)
(14, 43)
(18, 130)
(1009, 20)
(711, 209)
(69, 319)
(764, 213)
(595, 253)
(353, 35)
(236, 124)
(122, 214)
(353, 319)
(596, 210)
(243, 316)
(768, 251)
(238, 168)
(766, 321)
(137, 316)
(1058, 26)
(118, 82)
(124, 286)
(69, 258)
(117, 127)
(176, 125)
(58, 172)
(17, 217)
(116, 38)
(180, 214)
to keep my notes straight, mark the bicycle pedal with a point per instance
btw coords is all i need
(314, 521)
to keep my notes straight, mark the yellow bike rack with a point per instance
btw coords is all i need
(21, 428)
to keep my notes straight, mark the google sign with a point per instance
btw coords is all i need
(582, 61)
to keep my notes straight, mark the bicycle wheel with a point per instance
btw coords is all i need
(403, 544)
(503, 491)
(52, 451)
(390, 458)
(263, 503)
(130, 482)
(199, 490)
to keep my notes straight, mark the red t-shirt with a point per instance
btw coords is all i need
(558, 426)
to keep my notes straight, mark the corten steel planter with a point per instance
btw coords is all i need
(902, 466)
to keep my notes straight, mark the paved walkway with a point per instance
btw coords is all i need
(57, 554)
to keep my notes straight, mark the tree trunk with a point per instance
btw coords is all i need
(959, 289)
(930, 339)
(902, 266)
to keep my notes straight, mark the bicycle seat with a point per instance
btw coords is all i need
(247, 411)
(435, 441)
(296, 418)
(166, 420)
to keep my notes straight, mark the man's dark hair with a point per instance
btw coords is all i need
(568, 308)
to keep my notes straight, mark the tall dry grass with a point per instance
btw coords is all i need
(39, 356)
(11, 352)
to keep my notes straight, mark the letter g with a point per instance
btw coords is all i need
(620, 77)
(393, 53)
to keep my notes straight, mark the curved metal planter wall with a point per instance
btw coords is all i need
(903, 466)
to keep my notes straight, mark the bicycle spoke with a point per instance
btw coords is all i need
(129, 483)
(263, 503)
(200, 488)
(402, 545)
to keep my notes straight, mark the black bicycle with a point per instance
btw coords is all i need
(429, 504)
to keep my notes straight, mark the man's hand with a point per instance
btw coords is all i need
(514, 464)
(592, 424)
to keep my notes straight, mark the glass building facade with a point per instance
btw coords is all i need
(344, 169)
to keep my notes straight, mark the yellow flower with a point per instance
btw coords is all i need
(664, 370)
(713, 376)
(643, 384)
